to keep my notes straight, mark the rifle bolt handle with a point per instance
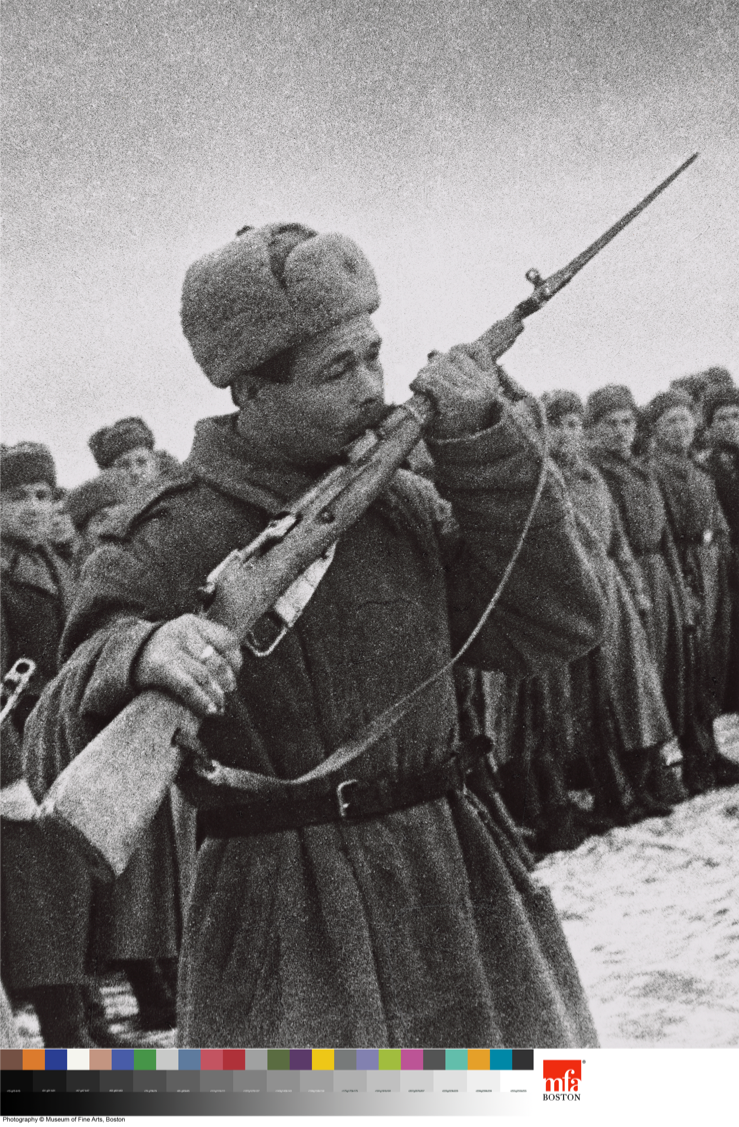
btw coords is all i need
(534, 277)
(326, 516)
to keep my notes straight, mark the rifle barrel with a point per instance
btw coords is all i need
(555, 282)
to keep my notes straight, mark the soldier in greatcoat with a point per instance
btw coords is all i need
(314, 922)
(128, 447)
(722, 463)
(137, 922)
(596, 726)
(46, 891)
(701, 537)
(610, 424)
(616, 691)
(90, 507)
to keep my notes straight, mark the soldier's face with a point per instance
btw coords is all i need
(138, 467)
(565, 436)
(26, 512)
(336, 391)
(616, 432)
(62, 530)
(725, 425)
(675, 430)
(96, 525)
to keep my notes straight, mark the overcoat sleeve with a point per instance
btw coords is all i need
(551, 609)
(624, 559)
(10, 747)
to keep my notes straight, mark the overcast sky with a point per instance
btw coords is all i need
(459, 143)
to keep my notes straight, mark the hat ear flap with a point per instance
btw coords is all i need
(269, 290)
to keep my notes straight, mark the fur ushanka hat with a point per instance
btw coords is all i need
(612, 397)
(25, 464)
(87, 499)
(109, 443)
(557, 404)
(726, 397)
(662, 402)
(267, 290)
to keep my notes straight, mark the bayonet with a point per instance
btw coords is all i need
(546, 288)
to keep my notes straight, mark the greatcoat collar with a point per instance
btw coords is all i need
(621, 467)
(577, 469)
(36, 567)
(223, 458)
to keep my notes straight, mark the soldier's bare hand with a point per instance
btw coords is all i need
(194, 660)
(464, 387)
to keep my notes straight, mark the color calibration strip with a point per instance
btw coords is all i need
(265, 1060)
(263, 1081)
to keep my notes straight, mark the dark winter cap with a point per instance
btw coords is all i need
(724, 398)
(26, 463)
(613, 397)
(268, 290)
(89, 498)
(663, 402)
(109, 443)
(557, 404)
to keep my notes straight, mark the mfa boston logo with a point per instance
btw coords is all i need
(562, 1079)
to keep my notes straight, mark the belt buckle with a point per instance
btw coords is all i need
(708, 536)
(343, 803)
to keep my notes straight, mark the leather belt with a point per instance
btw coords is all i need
(350, 800)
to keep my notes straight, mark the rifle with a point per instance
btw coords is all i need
(14, 684)
(108, 795)
(17, 804)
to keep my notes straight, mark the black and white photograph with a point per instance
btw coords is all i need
(370, 525)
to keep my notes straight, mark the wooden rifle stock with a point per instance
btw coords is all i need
(108, 795)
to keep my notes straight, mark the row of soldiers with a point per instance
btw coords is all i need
(627, 731)
(618, 735)
(61, 929)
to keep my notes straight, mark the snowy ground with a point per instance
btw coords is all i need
(652, 915)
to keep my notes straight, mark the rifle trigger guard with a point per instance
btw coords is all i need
(288, 608)
(264, 649)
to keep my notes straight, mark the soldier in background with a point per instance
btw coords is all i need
(703, 387)
(63, 536)
(722, 463)
(91, 506)
(128, 446)
(610, 424)
(57, 927)
(620, 715)
(701, 537)
(46, 891)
